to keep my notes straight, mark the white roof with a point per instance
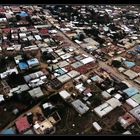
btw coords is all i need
(22, 35)
(36, 126)
(1, 98)
(97, 126)
(64, 94)
(114, 102)
(73, 73)
(89, 94)
(66, 56)
(46, 105)
(103, 109)
(131, 102)
(78, 42)
(131, 74)
(87, 60)
(105, 94)
(110, 89)
(117, 96)
(38, 37)
(64, 78)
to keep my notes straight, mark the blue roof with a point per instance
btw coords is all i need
(137, 47)
(131, 91)
(95, 78)
(129, 64)
(60, 71)
(23, 14)
(8, 131)
(133, 52)
(23, 65)
(33, 62)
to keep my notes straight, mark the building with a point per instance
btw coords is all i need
(36, 92)
(35, 79)
(132, 103)
(107, 107)
(131, 91)
(33, 62)
(131, 74)
(80, 107)
(23, 65)
(22, 124)
(19, 89)
(64, 78)
(97, 126)
(64, 94)
(136, 112)
(9, 131)
(136, 98)
(126, 120)
(8, 72)
(44, 127)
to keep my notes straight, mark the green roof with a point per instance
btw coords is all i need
(136, 98)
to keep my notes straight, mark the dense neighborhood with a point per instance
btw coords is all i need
(69, 69)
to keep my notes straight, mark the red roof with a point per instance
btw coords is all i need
(136, 68)
(22, 124)
(43, 31)
(7, 30)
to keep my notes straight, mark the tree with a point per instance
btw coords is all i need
(96, 100)
(18, 17)
(116, 63)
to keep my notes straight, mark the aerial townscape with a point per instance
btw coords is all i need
(69, 69)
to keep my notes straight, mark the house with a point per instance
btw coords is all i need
(19, 89)
(80, 107)
(43, 127)
(137, 80)
(23, 29)
(105, 95)
(64, 78)
(22, 14)
(33, 62)
(129, 64)
(38, 37)
(131, 74)
(36, 92)
(22, 124)
(77, 64)
(55, 83)
(59, 72)
(9, 131)
(87, 60)
(127, 133)
(22, 35)
(64, 94)
(107, 107)
(22, 65)
(1, 98)
(97, 126)
(131, 91)
(31, 48)
(35, 79)
(136, 98)
(29, 132)
(8, 72)
(73, 74)
(136, 112)
(126, 120)
(131, 102)
(80, 87)
(96, 78)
